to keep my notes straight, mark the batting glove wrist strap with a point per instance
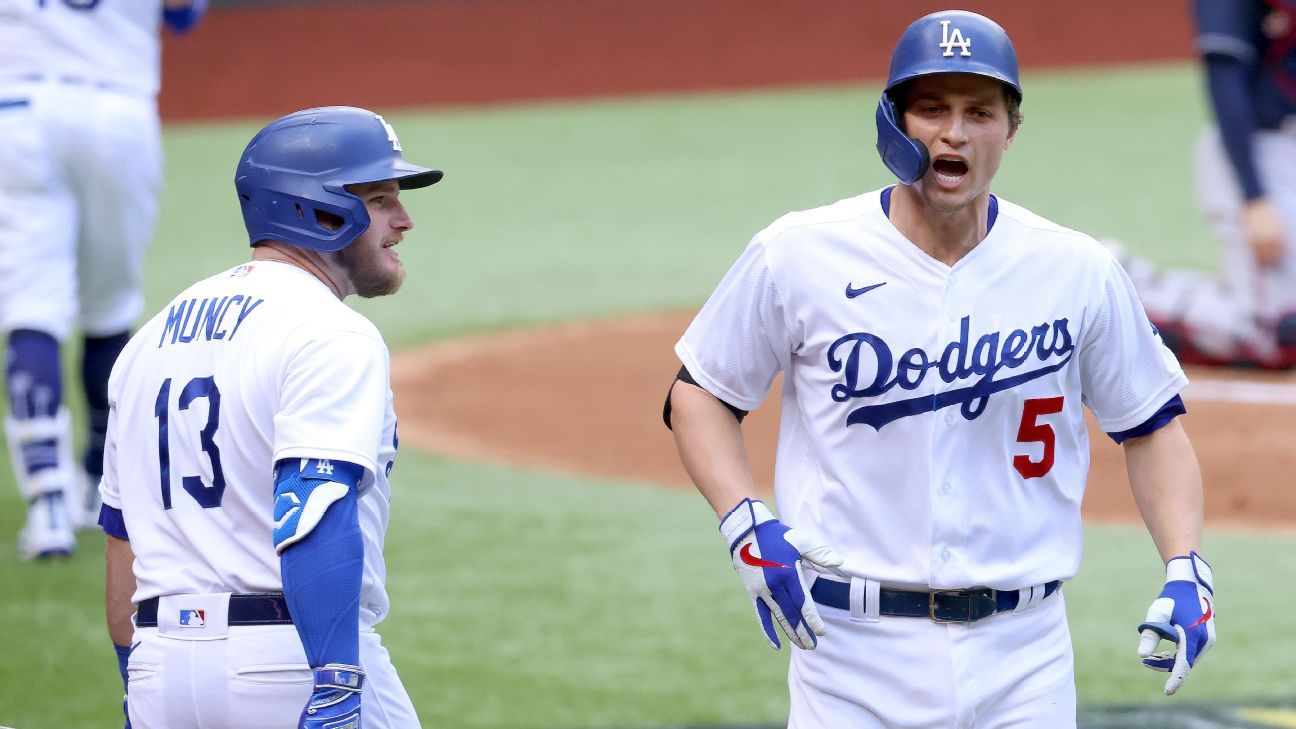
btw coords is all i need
(1184, 614)
(335, 683)
(742, 519)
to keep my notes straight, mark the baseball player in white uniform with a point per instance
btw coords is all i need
(937, 344)
(80, 177)
(250, 440)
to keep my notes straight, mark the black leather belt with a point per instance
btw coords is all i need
(259, 608)
(941, 606)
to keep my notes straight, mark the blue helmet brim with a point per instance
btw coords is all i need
(410, 176)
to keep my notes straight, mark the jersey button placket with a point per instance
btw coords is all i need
(947, 443)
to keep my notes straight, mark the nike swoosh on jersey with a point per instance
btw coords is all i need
(748, 558)
(1209, 612)
(852, 293)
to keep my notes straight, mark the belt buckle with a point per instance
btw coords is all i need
(931, 605)
(967, 595)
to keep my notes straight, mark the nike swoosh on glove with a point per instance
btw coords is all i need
(335, 703)
(1183, 614)
(767, 556)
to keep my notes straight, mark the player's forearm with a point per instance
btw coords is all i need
(711, 447)
(119, 586)
(1167, 487)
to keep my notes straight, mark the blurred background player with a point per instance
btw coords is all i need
(1247, 192)
(264, 406)
(80, 178)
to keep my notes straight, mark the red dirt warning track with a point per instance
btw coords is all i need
(268, 61)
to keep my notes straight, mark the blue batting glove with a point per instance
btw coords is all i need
(335, 704)
(1183, 614)
(767, 555)
(123, 663)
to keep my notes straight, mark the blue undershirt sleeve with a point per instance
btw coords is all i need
(322, 572)
(113, 523)
(182, 20)
(1173, 408)
(1228, 80)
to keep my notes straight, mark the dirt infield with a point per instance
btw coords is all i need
(587, 398)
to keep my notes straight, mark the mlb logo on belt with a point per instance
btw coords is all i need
(193, 618)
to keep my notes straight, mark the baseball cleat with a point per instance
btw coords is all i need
(48, 532)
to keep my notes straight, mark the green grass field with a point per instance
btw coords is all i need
(539, 601)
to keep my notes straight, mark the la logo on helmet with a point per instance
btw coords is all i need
(391, 132)
(948, 41)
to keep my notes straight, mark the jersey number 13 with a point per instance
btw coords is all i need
(208, 497)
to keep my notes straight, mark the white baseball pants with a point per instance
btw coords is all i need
(243, 677)
(80, 177)
(1008, 670)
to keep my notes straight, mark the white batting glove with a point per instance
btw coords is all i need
(1184, 614)
(767, 556)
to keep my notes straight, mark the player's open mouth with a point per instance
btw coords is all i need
(949, 171)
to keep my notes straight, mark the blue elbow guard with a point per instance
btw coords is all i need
(304, 490)
(182, 20)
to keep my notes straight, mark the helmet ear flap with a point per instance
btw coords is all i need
(906, 157)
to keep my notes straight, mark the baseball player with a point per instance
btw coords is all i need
(1246, 191)
(80, 177)
(250, 440)
(937, 344)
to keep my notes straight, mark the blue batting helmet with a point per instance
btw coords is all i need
(299, 165)
(950, 41)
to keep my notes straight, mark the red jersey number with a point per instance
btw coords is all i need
(1032, 431)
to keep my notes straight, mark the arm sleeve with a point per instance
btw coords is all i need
(1228, 82)
(740, 339)
(1230, 28)
(1229, 41)
(322, 576)
(333, 400)
(1126, 372)
(183, 19)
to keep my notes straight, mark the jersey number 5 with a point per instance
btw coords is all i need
(1032, 431)
(209, 497)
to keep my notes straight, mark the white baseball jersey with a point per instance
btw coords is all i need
(257, 364)
(932, 429)
(108, 42)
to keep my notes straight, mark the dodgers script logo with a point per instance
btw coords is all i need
(1050, 345)
(956, 39)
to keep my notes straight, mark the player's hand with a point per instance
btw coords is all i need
(1265, 231)
(335, 704)
(1184, 614)
(767, 556)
